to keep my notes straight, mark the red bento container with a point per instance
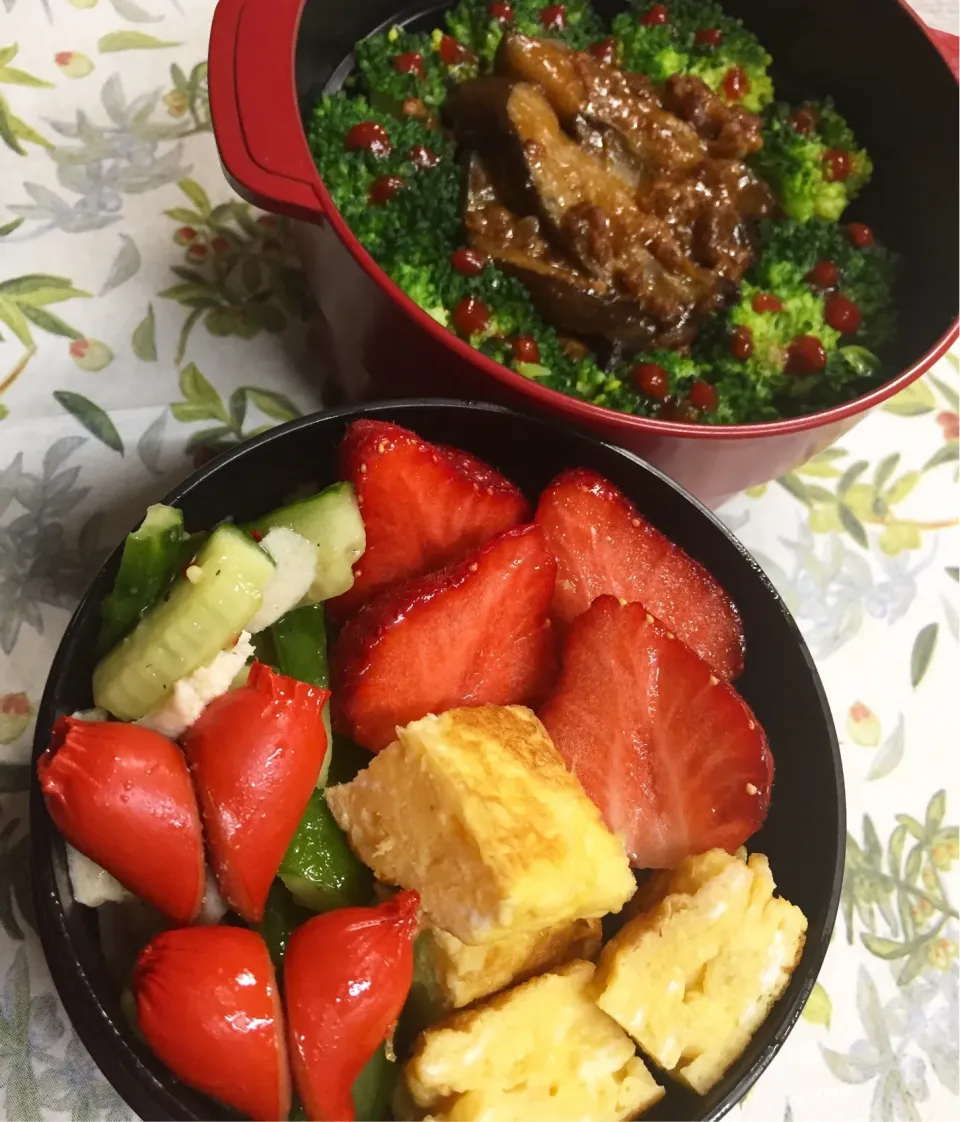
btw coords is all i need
(893, 79)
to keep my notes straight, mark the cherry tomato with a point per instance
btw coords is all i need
(683, 411)
(710, 37)
(736, 84)
(741, 343)
(803, 121)
(368, 136)
(452, 51)
(805, 355)
(825, 274)
(409, 63)
(554, 17)
(468, 262)
(704, 396)
(501, 12)
(836, 165)
(346, 977)
(255, 754)
(605, 51)
(652, 379)
(842, 314)
(526, 349)
(422, 158)
(382, 190)
(208, 1006)
(656, 16)
(860, 235)
(766, 302)
(122, 795)
(471, 316)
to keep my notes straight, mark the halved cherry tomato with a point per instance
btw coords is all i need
(860, 235)
(409, 63)
(704, 396)
(837, 165)
(208, 1006)
(255, 754)
(368, 136)
(122, 795)
(346, 977)
(656, 16)
(805, 355)
(736, 84)
(605, 51)
(554, 17)
(452, 51)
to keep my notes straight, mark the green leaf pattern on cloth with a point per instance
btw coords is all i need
(148, 313)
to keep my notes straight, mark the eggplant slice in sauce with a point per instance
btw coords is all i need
(606, 204)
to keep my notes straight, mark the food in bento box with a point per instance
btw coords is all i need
(695, 974)
(409, 910)
(476, 811)
(619, 212)
(542, 1050)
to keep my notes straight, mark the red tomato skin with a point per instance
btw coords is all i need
(255, 754)
(209, 1007)
(346, 976)
(122, 795)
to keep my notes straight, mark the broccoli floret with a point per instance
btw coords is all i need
(758, 388)
(424, 213)
(481, 29)
(680, 46)
(799, 160)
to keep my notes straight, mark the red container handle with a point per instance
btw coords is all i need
(253, 103)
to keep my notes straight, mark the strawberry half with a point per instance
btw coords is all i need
(255, 753)
(423, 506)
(208, 1006)
(121, 794)
(604, 546)
(671, 755)
(474, 633)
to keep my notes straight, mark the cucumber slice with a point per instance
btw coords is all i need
(331, 520)
(319, 868)
(151, 556)
(201, 615)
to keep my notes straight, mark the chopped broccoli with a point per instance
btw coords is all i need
(797, 160)
(419, 74)
(413, 234)
(473, 23)
(674, 47)
(758, 388)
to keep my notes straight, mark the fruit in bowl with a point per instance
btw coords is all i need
(468, 845)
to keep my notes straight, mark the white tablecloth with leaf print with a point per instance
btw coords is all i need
(149, 318)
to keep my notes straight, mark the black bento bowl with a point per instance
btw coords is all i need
(804, 833)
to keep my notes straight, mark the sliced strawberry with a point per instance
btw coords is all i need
(604, 546)
(121, 794)
(208, 1006)
(474, 633)
(671, 755)
(255, 753)
(423, 505)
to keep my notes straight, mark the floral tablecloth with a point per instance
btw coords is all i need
(149, 318)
